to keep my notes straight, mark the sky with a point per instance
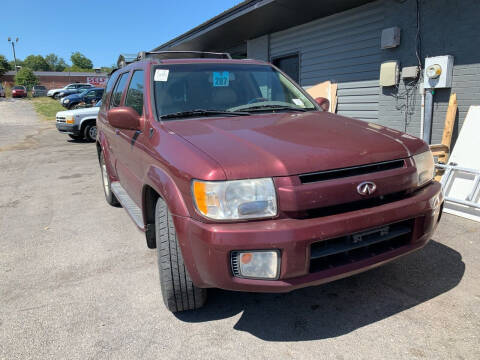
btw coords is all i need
(99, 29)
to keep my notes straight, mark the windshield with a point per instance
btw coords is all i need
(225, 87)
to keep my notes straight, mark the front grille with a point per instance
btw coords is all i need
(349, 249)
(351, 171)
(351, 206)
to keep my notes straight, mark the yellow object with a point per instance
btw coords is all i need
(200, 195)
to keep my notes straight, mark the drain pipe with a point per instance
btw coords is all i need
(427, 125)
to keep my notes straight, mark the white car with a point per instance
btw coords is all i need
(71, 87)
(79, 124)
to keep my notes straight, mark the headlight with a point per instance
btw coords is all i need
(69, 119)
(425, 167)
(66, 101)
(236, 199)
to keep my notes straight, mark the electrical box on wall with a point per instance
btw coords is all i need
(438, 72)
(389, 73)
(390, 38)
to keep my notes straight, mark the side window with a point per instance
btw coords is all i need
(134, 97)
(110, 83)
(118, 90)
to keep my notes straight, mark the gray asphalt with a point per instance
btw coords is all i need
(77, 281)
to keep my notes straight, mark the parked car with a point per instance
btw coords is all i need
(39, 90)
(55, 93)
(78, 90)
(79, 124)
(242, 182)
(86, 97)
(2, 91)
(19, 91)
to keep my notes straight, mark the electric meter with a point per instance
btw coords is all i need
(434, 71)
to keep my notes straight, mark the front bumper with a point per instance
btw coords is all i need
(68, 128)
(207, 248)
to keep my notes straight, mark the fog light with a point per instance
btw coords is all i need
(264, 264)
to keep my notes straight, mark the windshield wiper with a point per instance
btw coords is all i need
(202, 112)
(273, 107)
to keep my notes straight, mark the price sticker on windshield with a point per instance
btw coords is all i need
(221, 79)
(161, 75)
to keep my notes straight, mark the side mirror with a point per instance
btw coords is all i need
(323, 102)
(124, 118)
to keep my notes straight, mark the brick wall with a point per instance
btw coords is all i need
(58, 80)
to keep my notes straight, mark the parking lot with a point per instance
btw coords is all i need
(78, 282)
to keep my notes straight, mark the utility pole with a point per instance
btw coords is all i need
(13, 47)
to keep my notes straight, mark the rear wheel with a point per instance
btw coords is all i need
(178, 291)
(107, 189)
(90, 132)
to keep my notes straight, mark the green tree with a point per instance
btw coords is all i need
(75, 68)
(81, 61)
(55, 63)
(26, 77)
(4, 65)
(12, 64)
(36, 63)
(107, 69)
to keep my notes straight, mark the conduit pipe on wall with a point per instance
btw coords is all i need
(427, 125)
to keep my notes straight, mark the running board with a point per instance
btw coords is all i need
(128, 204)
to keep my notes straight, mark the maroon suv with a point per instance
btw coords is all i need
(242, 182)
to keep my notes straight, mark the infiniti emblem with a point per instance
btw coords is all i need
(366, 188)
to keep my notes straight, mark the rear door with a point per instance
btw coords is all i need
(112, 98)
(131, 143)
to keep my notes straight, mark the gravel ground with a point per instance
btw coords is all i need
(77, 281)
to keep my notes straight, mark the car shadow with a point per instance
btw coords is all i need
(342, 306)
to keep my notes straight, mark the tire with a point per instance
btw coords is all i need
(90, 132)
(178, 291)
(56, 96)
(75, 137)
(109, 196)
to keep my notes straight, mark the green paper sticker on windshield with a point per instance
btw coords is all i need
(221, 79)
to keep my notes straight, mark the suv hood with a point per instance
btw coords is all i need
(80, 112)
(283, 144)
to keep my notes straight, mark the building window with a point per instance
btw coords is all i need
(290, 65)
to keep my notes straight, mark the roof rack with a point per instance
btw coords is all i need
(162, 55)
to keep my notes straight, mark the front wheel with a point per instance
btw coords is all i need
(107, 189)
(178, 291)
(75, 137)
(90, 132)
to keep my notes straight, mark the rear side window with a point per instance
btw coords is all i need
(118, 90)
(108, 89)
(134, 97)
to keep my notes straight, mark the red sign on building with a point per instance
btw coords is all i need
(97, 81)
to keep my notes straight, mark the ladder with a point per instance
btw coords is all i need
(450, 169)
